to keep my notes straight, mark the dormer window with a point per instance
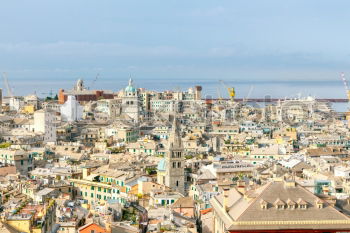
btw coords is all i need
(319, 203)
(302, 204)
(279, 204)
(291, 204)
(263, 204)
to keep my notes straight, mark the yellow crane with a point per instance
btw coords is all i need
(230, 90)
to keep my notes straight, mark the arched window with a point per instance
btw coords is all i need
(177, 183)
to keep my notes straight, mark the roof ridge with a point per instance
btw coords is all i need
(256, 199)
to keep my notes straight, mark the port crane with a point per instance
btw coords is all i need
(49, 94)
(345, 82)
(249, 94)
(94, 81)
(342, 75)
(7, 85)
(230, 90)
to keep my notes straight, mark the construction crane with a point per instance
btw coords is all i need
(93, 81)
(248, 95)
(219, 94)
(342, 75)
(230, 90)
(49, 94)
(6, 82)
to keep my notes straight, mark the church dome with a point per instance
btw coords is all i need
(130, 87)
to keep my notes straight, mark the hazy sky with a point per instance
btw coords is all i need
(199, 40)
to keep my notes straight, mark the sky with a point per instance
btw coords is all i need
(52, 43)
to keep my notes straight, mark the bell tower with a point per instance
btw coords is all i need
(130, 102)
(175, 173)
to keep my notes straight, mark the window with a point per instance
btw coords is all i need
(179, 164)
(177, 183)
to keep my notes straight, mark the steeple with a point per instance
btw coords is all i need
(175, 141)
(175, 164)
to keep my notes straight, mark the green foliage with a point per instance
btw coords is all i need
(129, 215)
(116, 150)
(188, 169)
(5, 145)
(151, 170)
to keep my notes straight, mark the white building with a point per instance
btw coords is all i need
(44, 123)
(71, 110)
(163, 105)
(130, 103)
(341, 171)
(16, 103)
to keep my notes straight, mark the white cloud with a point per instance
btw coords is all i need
(91, 49)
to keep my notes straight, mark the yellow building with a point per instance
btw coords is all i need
(286, 135)
(101, 185)
(34, 218)
(29, 109)
(20, 223)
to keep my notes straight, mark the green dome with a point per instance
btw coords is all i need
(130, 87)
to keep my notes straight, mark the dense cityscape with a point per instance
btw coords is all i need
(137, 160)
(174, 116)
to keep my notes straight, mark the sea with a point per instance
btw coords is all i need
(211, 88)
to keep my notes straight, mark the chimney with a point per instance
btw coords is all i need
(86, 173)
(241, 186)
(225, 199)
